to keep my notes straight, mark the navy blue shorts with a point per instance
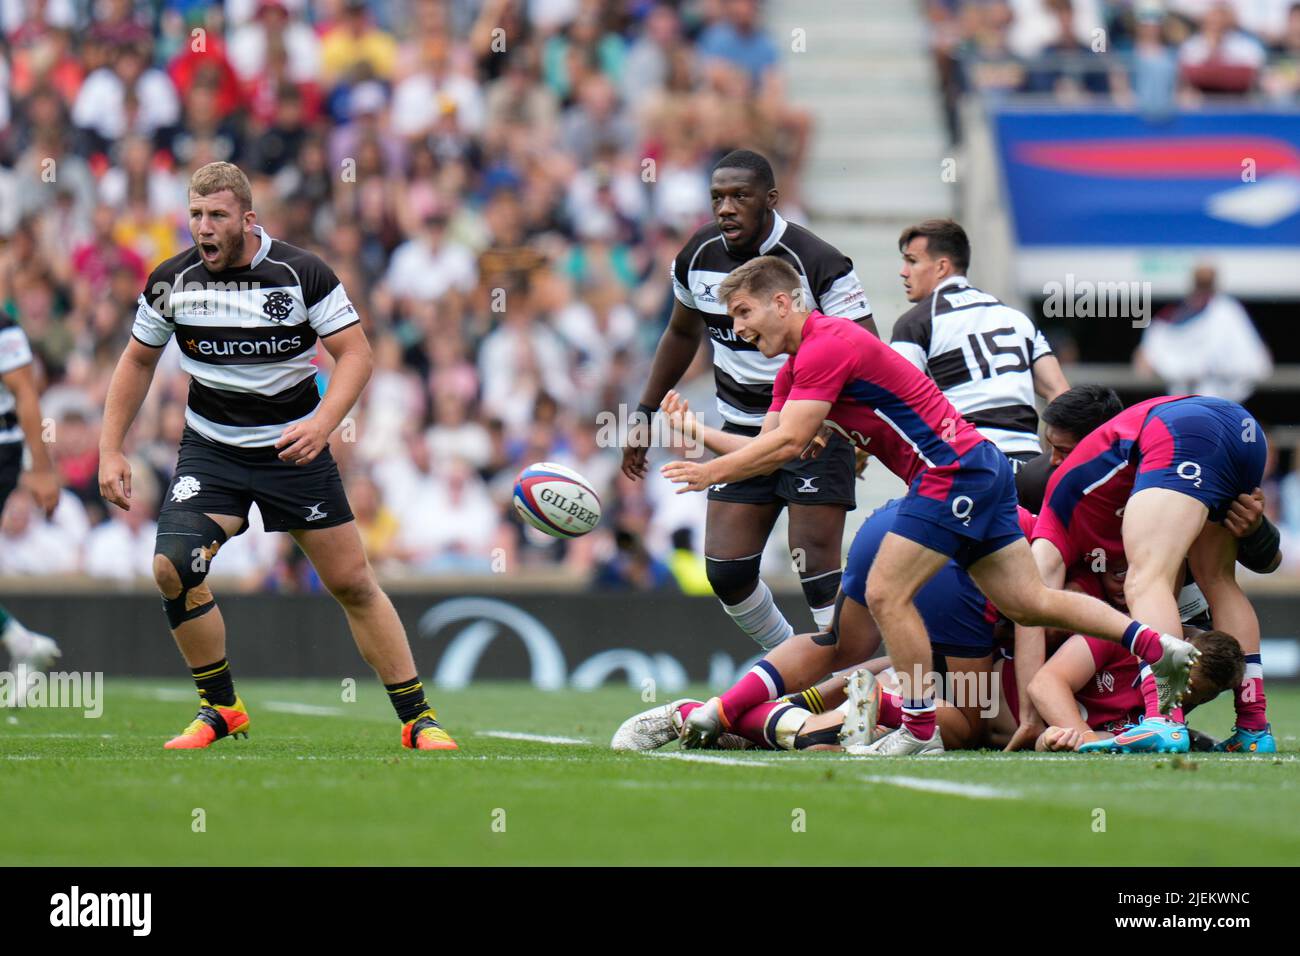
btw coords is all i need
(957, 615)
(966, 510)
(1207, 448)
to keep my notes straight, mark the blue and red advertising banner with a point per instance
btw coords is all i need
(1215, 178)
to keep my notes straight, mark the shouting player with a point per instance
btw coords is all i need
(961, 501)
(246, 311)
(20, 417)
(818, 493)
(1156, 484)
(987, 358)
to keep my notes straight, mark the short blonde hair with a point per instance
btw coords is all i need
(762, 278)
(214, 177)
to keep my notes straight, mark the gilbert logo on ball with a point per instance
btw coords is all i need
(556, 500)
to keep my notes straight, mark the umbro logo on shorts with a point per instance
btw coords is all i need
(186, 487)
(314, 513)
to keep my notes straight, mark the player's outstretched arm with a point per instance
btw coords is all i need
(795, 426)
(1052, 692)
(43, 478)
(126, 392)
(303, 441)
(673, 356)
(1031, 645)
(1049, 380)
(688, 427)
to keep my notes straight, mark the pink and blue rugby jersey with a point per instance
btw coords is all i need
(879, 400)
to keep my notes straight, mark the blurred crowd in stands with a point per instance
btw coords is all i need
(1155, 55)
(501, 186)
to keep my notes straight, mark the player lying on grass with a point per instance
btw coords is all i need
(1089, 693)
(961, 502)
(960, 623)
(1158, 483)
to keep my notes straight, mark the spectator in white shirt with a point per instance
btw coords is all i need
(122, 547)
(1206, 345)
(429, 265)
(518, 362)
(454, 434)
(422, 98)
(129, 96)
(1221, 59)
(30, 545)
(274, 24)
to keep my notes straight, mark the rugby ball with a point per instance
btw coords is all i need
(556, 500)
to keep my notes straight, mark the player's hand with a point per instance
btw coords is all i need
(303, 441)
(45, 487)
(1026, 734)
(115, 479)
(634, 453)
(1060, 738)
(692, 475)
(817, 444)
(1245, 513)
(682, 421)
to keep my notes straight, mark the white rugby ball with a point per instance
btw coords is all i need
(556, 500)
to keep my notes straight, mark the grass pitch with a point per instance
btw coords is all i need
(321, 781)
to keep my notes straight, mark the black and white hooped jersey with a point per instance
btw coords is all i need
(743, 375)
(247, 337)
(15, 352)
(981, 354)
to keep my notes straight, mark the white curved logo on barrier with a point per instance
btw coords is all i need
(485, 619)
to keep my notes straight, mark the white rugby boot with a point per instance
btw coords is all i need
(899, 743)
(651, 729)
(861, 710)
(1172, 670)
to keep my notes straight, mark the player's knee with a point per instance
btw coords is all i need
(183, 549)
(1029, 606)
(883, 598)
(733, 579)
(166, 577)
(356, 589)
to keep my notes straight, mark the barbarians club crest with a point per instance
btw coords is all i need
(277, 305)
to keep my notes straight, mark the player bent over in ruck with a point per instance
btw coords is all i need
(246, 311)
(960, 505)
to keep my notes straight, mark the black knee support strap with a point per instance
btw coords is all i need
(727, 576)
(188, 540)
(819, 590)
(827, 735)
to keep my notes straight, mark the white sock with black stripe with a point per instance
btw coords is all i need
(760, 618)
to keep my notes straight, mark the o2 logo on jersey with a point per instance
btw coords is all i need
(1190, 471)
(277, 305)
(962, 506)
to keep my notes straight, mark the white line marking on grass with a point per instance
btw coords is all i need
(534, 738)
(309, 710)
(976, 791)
(709, 758)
